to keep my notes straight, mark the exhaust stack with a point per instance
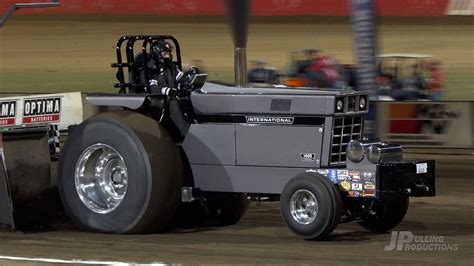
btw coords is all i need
(238, 12)
(240, 66)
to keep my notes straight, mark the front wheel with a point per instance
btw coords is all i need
(386, 215)
(120, 172)
(311, 206)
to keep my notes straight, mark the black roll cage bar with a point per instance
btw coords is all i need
(130, 59)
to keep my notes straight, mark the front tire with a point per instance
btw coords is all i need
(311, 206)
(120, 172)
(386, 215)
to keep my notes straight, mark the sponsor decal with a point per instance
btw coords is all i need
(369, 185)
(308, 157)
(346, 185)
(323, 172)
(269, 120)
(421, 168)
(368, 193)
(333, 176)
(367, 174)
(42, 110)
(356, 186)
(7, 112)
(354, 175)
(354, 194)
(343, 174)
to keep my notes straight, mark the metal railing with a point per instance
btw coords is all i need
(16, 6)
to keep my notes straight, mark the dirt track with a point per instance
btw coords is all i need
(52, 54)
(261, 236)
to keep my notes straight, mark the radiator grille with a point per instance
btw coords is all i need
(345, 129)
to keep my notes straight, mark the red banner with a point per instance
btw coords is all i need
(216, 7)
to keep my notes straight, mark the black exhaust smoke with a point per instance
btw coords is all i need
(238, 13)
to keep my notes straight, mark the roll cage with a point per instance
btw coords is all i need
(136, 66)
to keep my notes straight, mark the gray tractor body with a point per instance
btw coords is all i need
(254, 140)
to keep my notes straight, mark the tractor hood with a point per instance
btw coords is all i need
(213, 99)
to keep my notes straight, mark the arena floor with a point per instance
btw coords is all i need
(261, 237)
(53, 54)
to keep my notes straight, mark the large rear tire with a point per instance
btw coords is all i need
(386, 215)
(120, 172)
(311, 206)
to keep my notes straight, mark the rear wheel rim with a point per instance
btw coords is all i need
(303, 206)
(101, 178)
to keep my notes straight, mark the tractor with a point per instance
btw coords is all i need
(147, 162)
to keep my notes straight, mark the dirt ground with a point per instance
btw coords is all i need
(46, 54)
(262, 238)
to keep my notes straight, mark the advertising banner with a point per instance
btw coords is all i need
(61, 109)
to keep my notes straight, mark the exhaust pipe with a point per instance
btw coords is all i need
(240, 66)
(238, 13)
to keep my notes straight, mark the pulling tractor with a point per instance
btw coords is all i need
(147, 161)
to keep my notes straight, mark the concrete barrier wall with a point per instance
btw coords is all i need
(417, 8)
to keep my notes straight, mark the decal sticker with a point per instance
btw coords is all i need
(421, 168)
(356, 186)
(346, 185)
(367, 175)
(42, 110)
(308, 157)
(269, 120)
(368, 193)
(333, 176)
(7, 112)
(342, 175)
(323, 172)
(354, 194)
(354, 175)
(369, 185)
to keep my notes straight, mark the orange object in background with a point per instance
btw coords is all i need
(404, 112)
(295, 82)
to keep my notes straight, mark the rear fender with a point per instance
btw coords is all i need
(130, 101)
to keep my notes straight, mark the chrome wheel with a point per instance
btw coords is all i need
(101, 178)
(303, 206)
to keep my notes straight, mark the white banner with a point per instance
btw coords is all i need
(62, 109)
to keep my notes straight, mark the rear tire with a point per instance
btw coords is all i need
(311, 206)
(139, 165)
(387, 215)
